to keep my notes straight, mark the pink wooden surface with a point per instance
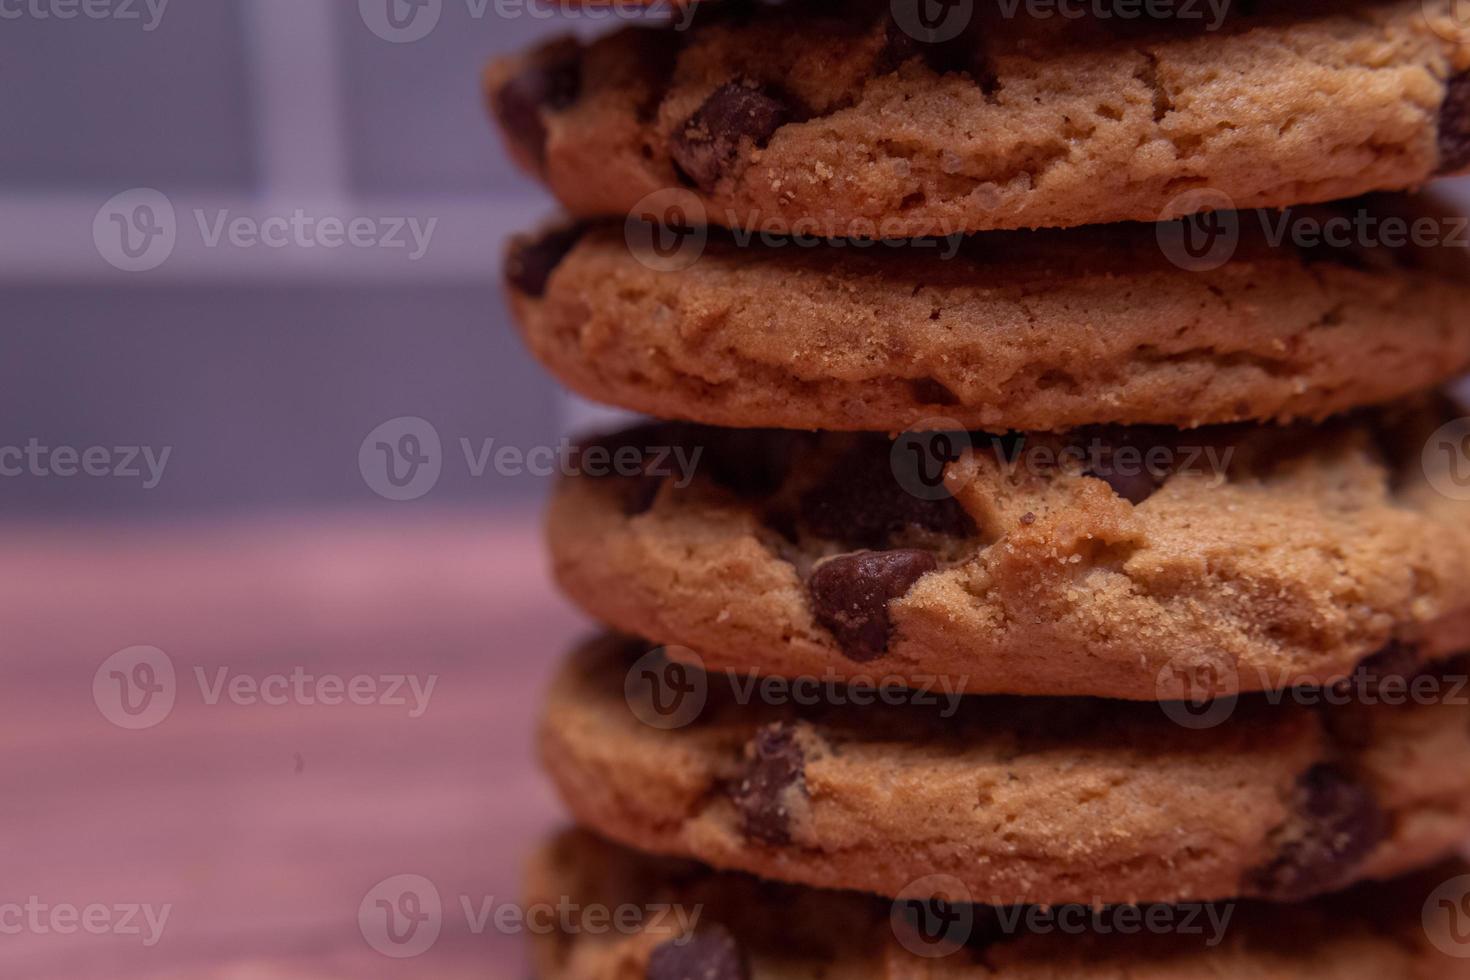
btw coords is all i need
(263, 827)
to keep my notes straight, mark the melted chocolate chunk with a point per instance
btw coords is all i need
(1337, 824)
(550, 83)
(1121, 459)
(710, 954)
(850, 596)
(532, 261)
(861, 502)
(914, 37)
(1132, 487)
(1454, 125)
(708, 143)
(774, 769)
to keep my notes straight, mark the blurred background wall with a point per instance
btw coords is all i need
(263, 368)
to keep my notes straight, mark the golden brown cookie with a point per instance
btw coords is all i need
(1018, 800)
(1009, 330)
(843, 119)
(1138, 563)
(684, 921)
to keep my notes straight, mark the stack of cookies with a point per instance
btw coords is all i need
(1056, 556)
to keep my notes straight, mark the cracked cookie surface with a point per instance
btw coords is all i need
(1021, 800)
(694, 922)
(1018, 330)
(1126, 562)
(830, 117)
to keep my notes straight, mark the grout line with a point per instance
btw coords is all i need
(56, 239)
(293, 58)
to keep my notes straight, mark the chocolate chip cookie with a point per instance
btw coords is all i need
(1021, 800)
(1009, 330)
(865, 119)
(685, 921)
(1128, 562)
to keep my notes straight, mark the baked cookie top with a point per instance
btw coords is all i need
(1140, 563)
(694, 922)
(843, 119)
(1018, 800)
(1300, 314)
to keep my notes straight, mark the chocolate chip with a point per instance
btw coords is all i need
(1337, 824)
(850, 596)
(961, 53)
(551, 82)
(862, 503)
(1132, 487)
(1454, 125)
(531, 261)
(708, 143)
(640, 494)
(931, 391)
(1122, 459)
(710, 954)
(774, 770)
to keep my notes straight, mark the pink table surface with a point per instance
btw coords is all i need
(264, 827)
